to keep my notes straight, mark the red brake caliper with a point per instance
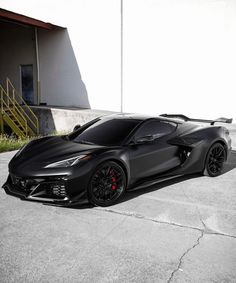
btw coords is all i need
(113, 181)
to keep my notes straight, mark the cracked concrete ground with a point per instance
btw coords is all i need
(183, 230)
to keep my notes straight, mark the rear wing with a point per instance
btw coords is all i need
(187, 119)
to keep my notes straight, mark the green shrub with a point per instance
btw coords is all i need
(8, 143)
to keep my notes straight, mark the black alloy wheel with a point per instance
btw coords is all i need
(215, 160)
(107, 184)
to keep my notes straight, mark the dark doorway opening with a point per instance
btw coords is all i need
(27, 83)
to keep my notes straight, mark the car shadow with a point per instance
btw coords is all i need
(133, 193)
(158, 186)
(231, 162)
(229, 165)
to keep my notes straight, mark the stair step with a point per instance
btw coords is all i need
(16, 122)
(14, 113)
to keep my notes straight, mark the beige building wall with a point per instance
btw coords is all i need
(61, 83)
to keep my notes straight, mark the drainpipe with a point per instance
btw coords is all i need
(121, 56)
(37, 65)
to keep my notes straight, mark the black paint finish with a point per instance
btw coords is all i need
(147, 149)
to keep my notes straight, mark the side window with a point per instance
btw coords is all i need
(155, 128)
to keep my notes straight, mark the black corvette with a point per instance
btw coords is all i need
(99, 161)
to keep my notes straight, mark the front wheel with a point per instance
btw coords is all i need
(215, 160)
(107, 184)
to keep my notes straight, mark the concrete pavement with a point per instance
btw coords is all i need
(183, 230)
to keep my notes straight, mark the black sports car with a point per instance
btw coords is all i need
(99, 161)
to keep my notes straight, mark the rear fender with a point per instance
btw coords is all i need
(197, 145)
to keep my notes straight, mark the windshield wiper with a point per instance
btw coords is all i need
(65, 137)
(85, 142)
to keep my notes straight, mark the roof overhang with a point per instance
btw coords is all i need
(6, 15)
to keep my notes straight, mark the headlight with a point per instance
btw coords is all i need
(66, 162)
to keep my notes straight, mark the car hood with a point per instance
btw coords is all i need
(51, 149)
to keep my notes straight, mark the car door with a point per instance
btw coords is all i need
(153, 157)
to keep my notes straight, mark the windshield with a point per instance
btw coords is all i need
(106, 132)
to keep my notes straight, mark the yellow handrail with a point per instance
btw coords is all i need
(3, 103)
(19, 108)
(16, 112)
(14, 92)
(1, 99)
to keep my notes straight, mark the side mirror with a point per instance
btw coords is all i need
(76, 128)
(145, 139)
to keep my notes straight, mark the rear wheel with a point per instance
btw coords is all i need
(107, 184)
(215, 160)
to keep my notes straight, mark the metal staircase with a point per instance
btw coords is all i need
(16, 113)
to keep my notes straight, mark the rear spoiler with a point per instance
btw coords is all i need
(187, 119)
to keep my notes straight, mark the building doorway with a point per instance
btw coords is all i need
(27, 83)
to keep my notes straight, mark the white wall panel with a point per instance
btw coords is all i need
(179, 56)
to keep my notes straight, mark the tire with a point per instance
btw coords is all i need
(215, 159)
(107, 184)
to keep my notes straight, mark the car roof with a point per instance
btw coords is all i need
(141, 117)
(126, 116)
(181, 126)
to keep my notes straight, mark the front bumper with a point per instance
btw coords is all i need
(50, 190)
